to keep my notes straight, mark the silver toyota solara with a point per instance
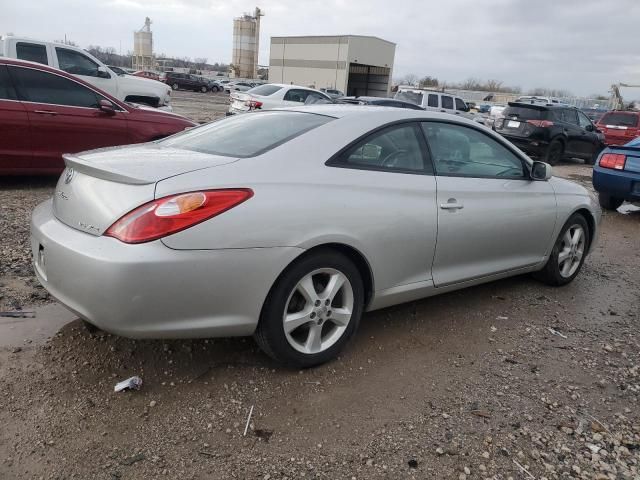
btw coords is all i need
(289, 224)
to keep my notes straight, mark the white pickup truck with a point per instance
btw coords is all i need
(78, 62)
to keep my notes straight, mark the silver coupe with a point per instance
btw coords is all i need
(289, 224)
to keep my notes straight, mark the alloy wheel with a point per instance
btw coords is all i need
(571, 250)
(318, 311)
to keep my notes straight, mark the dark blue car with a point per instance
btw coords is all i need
(616, 175)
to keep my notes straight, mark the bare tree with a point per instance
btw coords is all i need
(410, 79)
(427, 82)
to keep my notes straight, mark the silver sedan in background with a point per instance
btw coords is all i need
(289, 224)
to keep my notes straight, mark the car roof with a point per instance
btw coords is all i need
(541, 106)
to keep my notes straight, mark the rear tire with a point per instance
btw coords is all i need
(203, 89)
(554, 152)
(568, 254)
(312, 310)
(609, 202)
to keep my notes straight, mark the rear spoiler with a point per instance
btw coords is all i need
(83, 166)
(534, 106)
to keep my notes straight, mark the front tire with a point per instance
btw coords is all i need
(568, 254)
(175, 86)
(312, 311)
(609, 202)
(203, 89)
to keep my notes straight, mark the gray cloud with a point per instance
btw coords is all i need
(580, 45)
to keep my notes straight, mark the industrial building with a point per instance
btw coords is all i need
(354, 64)
(246, 44)
(143, 48)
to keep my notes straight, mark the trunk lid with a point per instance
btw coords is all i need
(100, 186)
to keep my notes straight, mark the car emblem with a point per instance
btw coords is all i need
(69, 176)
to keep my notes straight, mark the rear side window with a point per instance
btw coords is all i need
(246, 135)
(266, 90)
(447, 102)
(6, 87)
(296, 95)
(620, 119)
(433, 100)
(411, 97)
(32, 52)
(523, 113)
(43, 87)
(76, 63)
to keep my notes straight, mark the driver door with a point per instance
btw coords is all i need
(492, 217)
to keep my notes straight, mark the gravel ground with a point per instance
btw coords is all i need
(511, 379)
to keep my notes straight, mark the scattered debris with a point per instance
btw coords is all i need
(246, 427)
(133, 383)
(413, 463)
(524, 470)
(134, 459)
(16, 350)
(553, 331)
(263, 434)
(481, 413)
(502, 318)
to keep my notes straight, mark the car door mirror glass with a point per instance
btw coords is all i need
(541, 171)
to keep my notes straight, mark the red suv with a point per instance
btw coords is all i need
(45, 112)
(619, 128)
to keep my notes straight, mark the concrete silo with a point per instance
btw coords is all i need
(143, 47)
(246, 44)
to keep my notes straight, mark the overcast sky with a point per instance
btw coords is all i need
(580, 45)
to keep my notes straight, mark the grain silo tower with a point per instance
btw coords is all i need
(246, 44)
(143, 47)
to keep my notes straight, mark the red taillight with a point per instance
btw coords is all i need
(613, 160)
(541, 123)
(254, 104)
(172, 214)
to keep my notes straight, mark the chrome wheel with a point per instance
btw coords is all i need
(318, 310)
(571, 250)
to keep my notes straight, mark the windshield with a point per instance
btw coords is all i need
(246, 135)
(620, 119)
(264, 90)
(411, 97)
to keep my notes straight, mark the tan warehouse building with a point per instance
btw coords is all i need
(354, 64)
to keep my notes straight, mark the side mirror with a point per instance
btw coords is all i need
(541, 171)
(106, 106)
(103, 73)
(589, 128)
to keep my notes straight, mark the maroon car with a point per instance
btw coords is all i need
(619, 127)
(45, 112)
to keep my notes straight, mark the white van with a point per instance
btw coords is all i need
(433, 100)
(78, 62)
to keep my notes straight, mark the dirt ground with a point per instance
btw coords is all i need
(511, 379)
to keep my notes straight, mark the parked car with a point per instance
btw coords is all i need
(274, 95)
(186, 81)
(536, 99)
(117, 70)
(380, 101)
(332, 92)
(550, 132)
(432, 100)
(595, 114)
(238, 86)
(146, 74)
(616, 175)
(214, 85)
(85, 66)
(45, 112)
(619, 127)
(218, 231)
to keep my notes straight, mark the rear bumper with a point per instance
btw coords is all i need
(149, 290)
(621, 184)
(537, 148)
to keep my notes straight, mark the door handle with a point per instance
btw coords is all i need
(45, 112)
(451, 205)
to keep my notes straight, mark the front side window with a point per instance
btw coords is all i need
(6, 88)
(460, 105)
(43, 87)
(433, 100)
(447, 102)
(76, 63)
(570, 116)
(294, 95)
(462, 151)
(246, 135)
(584, 120)
(395, 149)
(32, 52)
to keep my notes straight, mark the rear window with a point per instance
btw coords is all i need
(265, 90)
(247, 135)
(620, 119)
(523, 113)
(411, 97)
